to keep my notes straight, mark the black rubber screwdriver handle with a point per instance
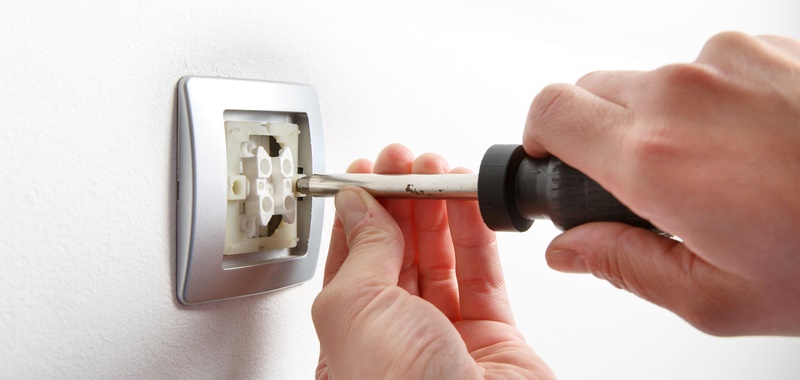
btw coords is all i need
(514, 189)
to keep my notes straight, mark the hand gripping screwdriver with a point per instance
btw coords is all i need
(511, 187)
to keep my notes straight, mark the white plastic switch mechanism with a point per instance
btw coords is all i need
(240, 228)
(262, 216)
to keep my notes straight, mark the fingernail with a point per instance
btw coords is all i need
(350, 208)
(566, 260)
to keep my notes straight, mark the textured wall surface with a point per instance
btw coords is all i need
(87, 170)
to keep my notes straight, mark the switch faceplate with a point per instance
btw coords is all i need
(242, 228)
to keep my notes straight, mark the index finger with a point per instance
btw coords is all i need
(578, 127)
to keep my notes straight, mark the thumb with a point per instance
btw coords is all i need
(374, 253)
(374, 240)
(656, 268)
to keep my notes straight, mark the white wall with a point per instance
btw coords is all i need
(87, 170)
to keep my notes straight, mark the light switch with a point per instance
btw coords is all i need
(242, 228)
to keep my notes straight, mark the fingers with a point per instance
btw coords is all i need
(435, 257)
(374, 241)
(337, 250)
(481, 287)
(657, 269)
(476, 291)
(577, 126)
(397, 159)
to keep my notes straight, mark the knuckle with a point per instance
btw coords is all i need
(663, 135)
(681, 75)
(548, 112)
(472, 239)
(481, 285)
(738, 54)
(729, 39)
(552, 101)
(439, 274)
(728, 50)
(435, 224)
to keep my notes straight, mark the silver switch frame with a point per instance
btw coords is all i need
(204, 273)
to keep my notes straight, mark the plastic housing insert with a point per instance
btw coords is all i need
(262, 207)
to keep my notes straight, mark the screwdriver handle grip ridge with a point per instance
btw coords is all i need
(514, 189)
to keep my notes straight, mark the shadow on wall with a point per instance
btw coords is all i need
(172, 191)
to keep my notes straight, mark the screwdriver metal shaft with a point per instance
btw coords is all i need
(417, 186)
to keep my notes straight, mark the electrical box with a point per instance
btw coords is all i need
(242, 228)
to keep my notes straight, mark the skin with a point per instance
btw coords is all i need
(708, 151)
(414, 289)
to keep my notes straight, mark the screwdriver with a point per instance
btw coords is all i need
(512, 189)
